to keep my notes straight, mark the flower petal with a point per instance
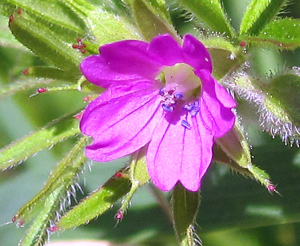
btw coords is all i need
(121, 120)
(195, 53)
(197, 153)
(120, 61)
(165, 152)
(166, 49)
(130, 57)
(97, 71)
(214, 113)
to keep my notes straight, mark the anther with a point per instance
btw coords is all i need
(188, 107)
(185, 124)
(162, 91)
(167, 108)
(195, 109)
(178, 95)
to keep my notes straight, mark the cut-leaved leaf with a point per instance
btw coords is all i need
(96, 204)
(46, 137)
(48, 44)
(105, 26)
(212, 13)
(258, 14)
(37, 234)
(64, 175)
(284, 33)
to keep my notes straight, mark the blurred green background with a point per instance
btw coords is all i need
(234, 211)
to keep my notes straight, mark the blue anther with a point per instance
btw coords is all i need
(178, 95)
(162, 91)
(196, 104)
(194, 112)
(195, 108)
(188, 107)
(185, 124)
(167, 108)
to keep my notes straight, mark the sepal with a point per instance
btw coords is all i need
(152, 19)
(277, 98)
(233, 150)
(185, 205)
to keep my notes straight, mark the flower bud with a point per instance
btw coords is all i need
(277, 99)
(280, 111)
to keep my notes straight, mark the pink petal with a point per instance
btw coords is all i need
(130, 57)
(98, 72)
(120, 61)
(195, 53)
(224, 97)
(166, 49)
(197, 153)
(214, 114)
(176, 153)
(121, 120)
(165, 152)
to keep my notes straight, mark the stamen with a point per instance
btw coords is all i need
(185, 124)
(162, 91)
(178, 95)
(169, 98)
(192, 108)
(195, 109)
(167, 108)
(188, 107)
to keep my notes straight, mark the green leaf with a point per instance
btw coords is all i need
(13, 88)
(224, 55)
(105, 26)
(63, 175)
(37, 233)
(284, 33)
(6, 38)
(185, 205)
(95, 204)
(212, 13)
(46, 137)
(48, 45)
(284, 93)
(258, 14)
(150, 24)
(51, 11)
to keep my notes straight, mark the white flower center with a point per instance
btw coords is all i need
(182, 87)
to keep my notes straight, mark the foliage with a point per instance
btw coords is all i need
(43, 92)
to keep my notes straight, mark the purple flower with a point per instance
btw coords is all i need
(162, 95)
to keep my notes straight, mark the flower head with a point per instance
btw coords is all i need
(162, 95)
